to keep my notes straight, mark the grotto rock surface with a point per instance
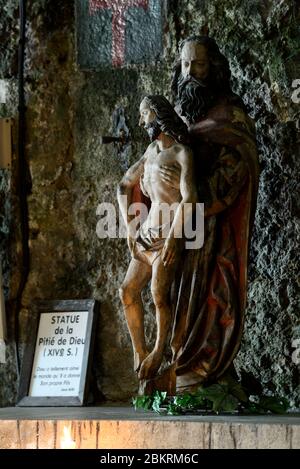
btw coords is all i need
(68, 109)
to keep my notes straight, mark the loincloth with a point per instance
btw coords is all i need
(149, 243)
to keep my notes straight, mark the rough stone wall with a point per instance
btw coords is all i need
(49, 151)
(9, 213)
(262, 42)
(72, 173)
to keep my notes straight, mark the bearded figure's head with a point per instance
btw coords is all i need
(200, 78)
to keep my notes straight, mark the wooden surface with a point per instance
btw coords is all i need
(122, 427)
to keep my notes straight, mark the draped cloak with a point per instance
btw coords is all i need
(208, 295)
(209, 292)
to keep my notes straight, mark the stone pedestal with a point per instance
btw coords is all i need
(123, 428)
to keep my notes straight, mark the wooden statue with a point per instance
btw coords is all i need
(206, 303)
(156, 251)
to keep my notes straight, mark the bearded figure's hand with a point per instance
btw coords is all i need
(170, 175)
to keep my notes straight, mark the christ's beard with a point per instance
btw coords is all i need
(153, 130)
(194, 98)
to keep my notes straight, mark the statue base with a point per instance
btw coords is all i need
(165, 381)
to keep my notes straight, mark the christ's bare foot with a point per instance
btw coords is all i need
(150, 365)
(139, 357)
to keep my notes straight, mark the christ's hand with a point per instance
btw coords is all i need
(131, 236)
(170, 251)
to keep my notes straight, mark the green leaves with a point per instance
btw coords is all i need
(142, 402)
(187, 403)
(159, 398)
(267, 404)
(227, 395)
(234, 388)
(220, 397)
(174, 409)
(276, 405)
(153, 402)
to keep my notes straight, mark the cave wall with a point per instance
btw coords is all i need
(68, 109)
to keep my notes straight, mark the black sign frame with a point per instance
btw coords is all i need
(51, 306)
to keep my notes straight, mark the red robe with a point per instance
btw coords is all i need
(210, 291)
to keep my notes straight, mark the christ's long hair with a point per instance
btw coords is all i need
(167, 118)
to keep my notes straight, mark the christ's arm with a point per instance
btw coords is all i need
(125, 189)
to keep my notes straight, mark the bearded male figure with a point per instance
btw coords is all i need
(210, 294)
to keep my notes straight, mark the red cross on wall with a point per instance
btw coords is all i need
(118, 7)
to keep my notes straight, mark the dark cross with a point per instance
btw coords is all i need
(118, 7)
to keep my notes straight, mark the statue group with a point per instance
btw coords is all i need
(202, 151)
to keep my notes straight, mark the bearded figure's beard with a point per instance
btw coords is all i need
(153, 130)
(194, 98)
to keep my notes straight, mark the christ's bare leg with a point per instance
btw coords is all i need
(137, 277)
(162, 278)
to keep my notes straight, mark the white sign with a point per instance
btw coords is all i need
(3, 91)
(59, 354)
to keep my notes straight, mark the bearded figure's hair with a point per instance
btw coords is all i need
(167, 118)
(219, 71)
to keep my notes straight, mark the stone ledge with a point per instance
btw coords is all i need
(123, 428)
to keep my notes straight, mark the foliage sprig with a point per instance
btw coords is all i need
(226, 395)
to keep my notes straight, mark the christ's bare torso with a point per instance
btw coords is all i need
(161, 195)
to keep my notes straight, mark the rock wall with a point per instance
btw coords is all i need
(68, 109)
(9, 213)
